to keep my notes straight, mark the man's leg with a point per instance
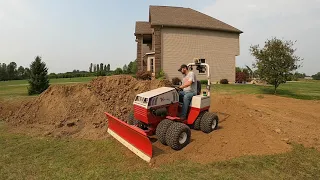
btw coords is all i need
(186, 102)
(181, 95)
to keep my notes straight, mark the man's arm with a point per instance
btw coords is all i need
(187, 84)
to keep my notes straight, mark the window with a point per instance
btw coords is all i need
(202, 69)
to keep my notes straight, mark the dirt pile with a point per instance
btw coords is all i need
(78, 110)
(118, 92)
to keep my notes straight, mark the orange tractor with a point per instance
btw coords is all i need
(156, 113)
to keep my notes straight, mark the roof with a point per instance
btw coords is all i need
(143, 27)
(186, 18)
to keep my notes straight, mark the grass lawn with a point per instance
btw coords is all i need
(23, 157)
(19, 88)
(309, 90)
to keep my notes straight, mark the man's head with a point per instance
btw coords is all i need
(183, 69)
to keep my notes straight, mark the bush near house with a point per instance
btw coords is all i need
(204, 82)
(241, 77)
(144, 75)
(224, 81)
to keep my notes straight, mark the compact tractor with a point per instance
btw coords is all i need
(156, 112)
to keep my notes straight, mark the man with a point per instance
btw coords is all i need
(189, 87)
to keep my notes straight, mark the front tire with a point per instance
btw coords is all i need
(209, 122)
(161, 130)
(178, 136)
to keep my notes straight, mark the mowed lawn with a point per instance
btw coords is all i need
(24, 157)
(19, 88)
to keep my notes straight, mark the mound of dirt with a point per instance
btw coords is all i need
(118, 92)
(78, 110)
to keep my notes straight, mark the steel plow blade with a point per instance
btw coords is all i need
(130, 136)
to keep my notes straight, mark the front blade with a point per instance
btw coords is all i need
(132, 137)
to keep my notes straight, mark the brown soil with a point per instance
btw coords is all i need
(250, 126)
(78, 110)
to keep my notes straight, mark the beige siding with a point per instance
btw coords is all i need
(218, 48)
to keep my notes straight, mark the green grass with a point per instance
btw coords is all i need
(308, 90)
(23, 157)
(18, 88)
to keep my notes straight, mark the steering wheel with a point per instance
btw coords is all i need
(178, 89)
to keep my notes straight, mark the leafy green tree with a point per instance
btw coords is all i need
(12, 70)
(101, 66)
(105, 68)
(20, 72)
(98, 69)
(90, 67)
(238, 69)
(316, 76)
(275, 61)
(26, 74)
(3, 72)
(118, 71)
(94, 68)
(39, 81)
(108, 68)
(125, 69)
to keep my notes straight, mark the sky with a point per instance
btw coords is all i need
(71, 34)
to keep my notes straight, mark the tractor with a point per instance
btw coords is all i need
(156, 112)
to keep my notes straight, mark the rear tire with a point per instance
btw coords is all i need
(178, 136)
(196, 124)
(161, 130)
(209, 122)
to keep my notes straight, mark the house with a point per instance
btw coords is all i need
(176, 35)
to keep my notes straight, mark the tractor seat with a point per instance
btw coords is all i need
(198, 87)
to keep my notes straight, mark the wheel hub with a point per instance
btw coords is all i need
(214, 124)
(183, 137)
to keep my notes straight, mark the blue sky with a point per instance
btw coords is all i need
(72, 34)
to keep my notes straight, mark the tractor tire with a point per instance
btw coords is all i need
(196, 124)
(178, 136)
(161, 130)
(209, 122)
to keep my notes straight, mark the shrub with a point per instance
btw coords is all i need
(204, 82)
(241, 77)
(176, 81)
(224, 81)
(144, 75)
(160, 75)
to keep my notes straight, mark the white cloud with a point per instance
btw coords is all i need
(261, 19)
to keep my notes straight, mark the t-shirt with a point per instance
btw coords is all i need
(190, 77)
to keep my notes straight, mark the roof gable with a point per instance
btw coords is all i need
(143, 27)
(187, 18)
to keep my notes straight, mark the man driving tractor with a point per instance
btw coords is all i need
(189, 87)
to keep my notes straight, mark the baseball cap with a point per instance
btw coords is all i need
(182, 66)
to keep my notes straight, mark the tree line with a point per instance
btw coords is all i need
(11, 71)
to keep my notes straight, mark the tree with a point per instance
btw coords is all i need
(26, 74)
(105, 68)
(316, 76)
(3, 72)
(101, 66)
(12, 70)
(20, 72)
(125, 69)
(275, 61)
(98, 69)
(108, 68)
(39, 81)
(118, 71)
(94, 68)
(90, 68)
(238, 69)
